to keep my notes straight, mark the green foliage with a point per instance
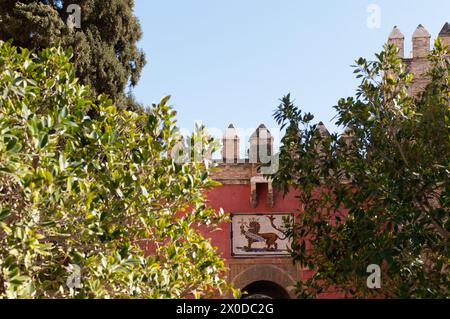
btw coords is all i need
(105, 53)
(85, 184)
(380, 192)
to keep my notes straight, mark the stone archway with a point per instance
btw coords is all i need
(265, 290)
(264, 275)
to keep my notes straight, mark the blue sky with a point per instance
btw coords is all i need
(229, 61)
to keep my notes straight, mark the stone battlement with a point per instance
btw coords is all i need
(417, 62)
(234, 170)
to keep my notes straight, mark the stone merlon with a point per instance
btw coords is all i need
(421, 42)
(444, 35)
(397, 38)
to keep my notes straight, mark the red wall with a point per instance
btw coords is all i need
(236, 199)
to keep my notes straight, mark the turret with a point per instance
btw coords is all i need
(261, 145)
(322, 129)
(230, 149)
(348, 136)
(421, 42)
(398, 39)
(323, 132)
(444, 35)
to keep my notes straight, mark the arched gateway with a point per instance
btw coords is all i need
(254, 244)
(265, 281)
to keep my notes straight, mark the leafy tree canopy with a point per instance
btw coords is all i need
(86, 185)
(104, 47)
(379, 193)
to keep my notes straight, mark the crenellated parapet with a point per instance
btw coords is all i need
(417, 62)
(260, 146)
(235, 170)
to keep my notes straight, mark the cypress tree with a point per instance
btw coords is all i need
(104, 43)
